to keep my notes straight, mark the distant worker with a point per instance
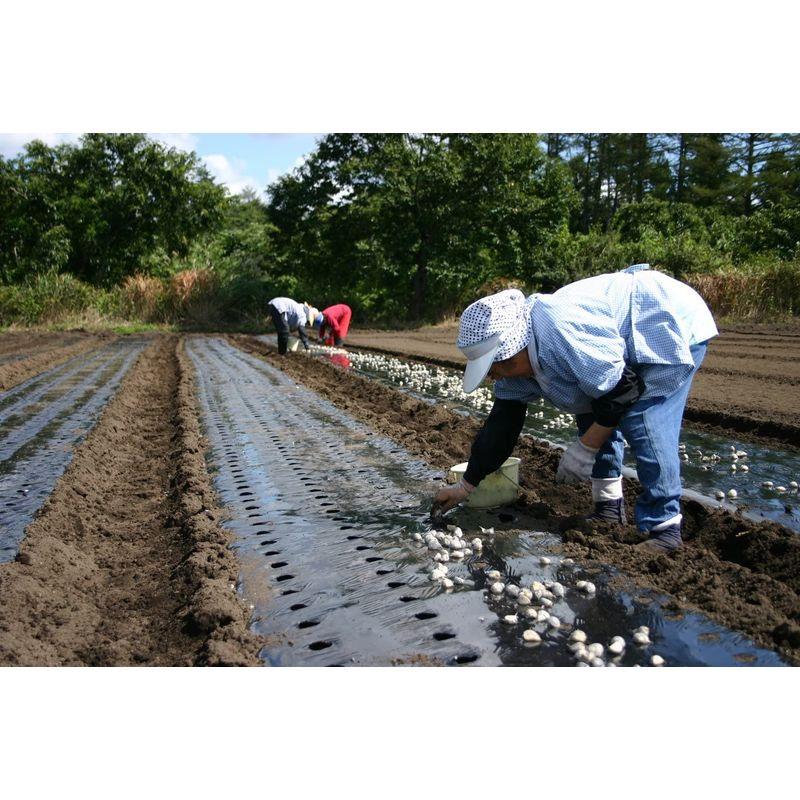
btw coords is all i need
(333, 324)
(288, 315)
(619, 351)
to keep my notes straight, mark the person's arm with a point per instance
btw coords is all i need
(302, 334)
(496, 439)
(491, 447)
(578, 460)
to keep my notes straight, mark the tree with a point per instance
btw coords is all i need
(98, 209)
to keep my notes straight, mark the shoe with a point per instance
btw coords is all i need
(609, 511)
(663, 541)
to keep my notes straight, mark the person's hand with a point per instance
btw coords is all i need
(450, 496)
(576, 463)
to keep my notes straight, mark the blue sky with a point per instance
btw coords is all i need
(236, 160)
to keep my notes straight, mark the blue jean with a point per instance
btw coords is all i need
(652, 428)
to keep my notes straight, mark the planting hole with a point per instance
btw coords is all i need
(308, 623)
(395, 584)
(407, 598)
(442, 636)
(285, 577)
(276, 564)
(322, 645)
(426, 615)
(297, 606)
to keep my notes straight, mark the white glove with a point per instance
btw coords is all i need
(576, 463)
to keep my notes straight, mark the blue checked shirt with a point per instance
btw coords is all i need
(586, 332)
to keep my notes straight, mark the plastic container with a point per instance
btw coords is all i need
(293, 344)
(497, 489)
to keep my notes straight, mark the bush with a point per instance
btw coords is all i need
(46, 299)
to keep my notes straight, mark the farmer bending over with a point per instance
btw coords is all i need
(287, 315)
(333, 323)
(619, 351)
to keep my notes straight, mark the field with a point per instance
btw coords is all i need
(191, 499)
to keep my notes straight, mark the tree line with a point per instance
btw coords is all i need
(404, 227)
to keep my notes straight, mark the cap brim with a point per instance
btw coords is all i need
(477, 370)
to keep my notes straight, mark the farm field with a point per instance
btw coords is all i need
(198, 499)
(748, 383)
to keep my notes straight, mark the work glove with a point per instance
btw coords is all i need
(576, 463)
(450, 496)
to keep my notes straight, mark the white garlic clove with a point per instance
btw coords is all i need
(477, 544)
(657, 661)
(641, 638)
(616, 647)
(447, 583)
(558, 590)
(542, 616)
(493, 575)
(510, 619)
(577, 636)
(530, 635)
(544, 561)
(497, 588)
(512, 590)
(596, 649)
(523, 599)
(554, 622)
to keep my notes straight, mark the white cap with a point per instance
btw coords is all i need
(492, 329)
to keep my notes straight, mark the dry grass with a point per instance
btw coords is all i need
(143, 297)
(762, 295)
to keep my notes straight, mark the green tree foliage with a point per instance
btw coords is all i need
(407, 225)
(100, 208)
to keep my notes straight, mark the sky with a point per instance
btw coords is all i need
(237, 160)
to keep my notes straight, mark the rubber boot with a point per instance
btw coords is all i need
(664, 541)
(609, 511)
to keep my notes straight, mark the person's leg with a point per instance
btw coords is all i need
(652, 428)
(281, 328)
(606, 475)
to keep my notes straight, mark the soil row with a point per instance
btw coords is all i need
(42, 352)
(127, 563)
(745, 575)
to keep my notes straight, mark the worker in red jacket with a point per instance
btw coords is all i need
(333, 323)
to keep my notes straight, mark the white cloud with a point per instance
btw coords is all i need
(12, 144)
(230, 173)
(273, 173)
(180, 141)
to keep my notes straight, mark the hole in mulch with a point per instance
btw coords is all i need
(277, 564)
(297, 606)
(352, 537)
(363, 547)
(384, 571)
(284, 577)
(272, 553)
(332, 510)
(466, 658)
(245, 494)
(251, 508)
(308, 623)
(320, 645)
(426, 615)
(289, 591)
(407, 598)
(395, 584)
(442, 636)
(372, 559)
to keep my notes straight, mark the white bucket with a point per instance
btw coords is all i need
(293, 344)
(497, 489)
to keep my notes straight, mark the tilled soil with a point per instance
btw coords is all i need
(742, 574)
(749, 382)
(26, 353)
(127, 563)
